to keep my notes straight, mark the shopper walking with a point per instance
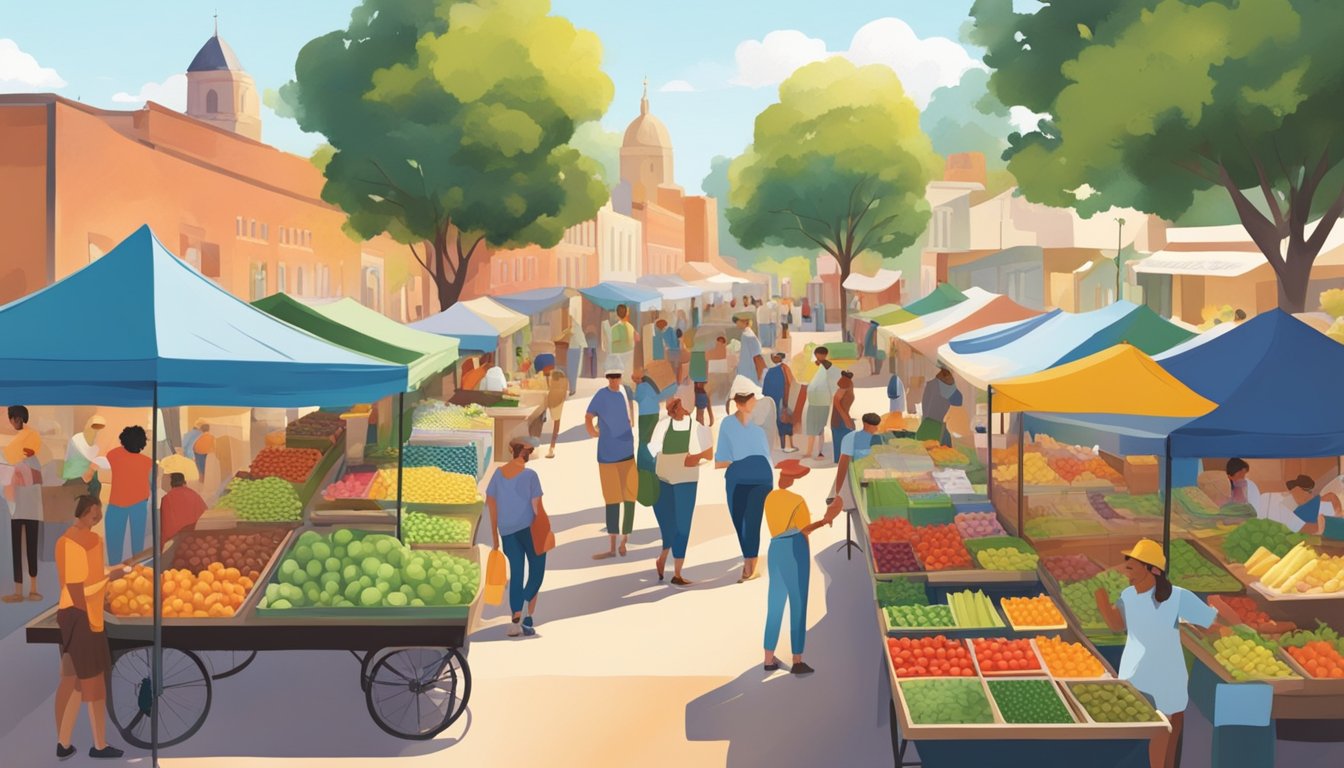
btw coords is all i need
(557, 387)
(514, 499)
(81, 567)
(1149, 612)
(750, 363)
(24, 495)
(679, 445)
(820, 397)
(128, 504)
(790, 564)
(623, 341)
(610, 419)
(842, 423)
(745, 451)
(777, 386)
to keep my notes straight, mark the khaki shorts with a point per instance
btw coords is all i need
(554, 412)
(620, 481)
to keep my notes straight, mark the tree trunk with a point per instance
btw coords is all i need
(1295, 278)
(447, 284)
(845, 261)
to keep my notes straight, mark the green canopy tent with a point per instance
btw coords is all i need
(941, 298)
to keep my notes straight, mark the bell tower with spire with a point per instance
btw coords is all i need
(219, 92)
(646, 154)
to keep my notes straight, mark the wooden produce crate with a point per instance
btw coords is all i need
(1199, 644)
(1144, 730)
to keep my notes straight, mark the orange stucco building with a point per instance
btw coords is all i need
(76, 180)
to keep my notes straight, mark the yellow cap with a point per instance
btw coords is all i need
(1149, 552)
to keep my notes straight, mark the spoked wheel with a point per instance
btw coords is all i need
(415, 693)
(222, 664)
(182, 707)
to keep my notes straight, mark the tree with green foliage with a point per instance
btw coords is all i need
(966, 117)
(449, 124)
(1151, 101)
(839, 163)
(715, 184)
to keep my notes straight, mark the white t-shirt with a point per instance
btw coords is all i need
(494, 380)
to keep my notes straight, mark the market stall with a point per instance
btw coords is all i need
(546, 310)
(169, 638)
(481, 325)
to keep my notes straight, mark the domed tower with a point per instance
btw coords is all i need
(646, 154)
(219, 92)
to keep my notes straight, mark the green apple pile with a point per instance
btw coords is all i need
(1250, 535)
(420, 528)
(349, 569)
(1006, 559)
(944, 700)
(268, 500)
(1081, 597)
(1113, 703)
(1245, 659)
(1194, 571)
(919, 616)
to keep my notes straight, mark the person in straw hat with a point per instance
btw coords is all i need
(1150, 611)
(744, 450)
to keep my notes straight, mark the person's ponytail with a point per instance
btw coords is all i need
(1162, 590)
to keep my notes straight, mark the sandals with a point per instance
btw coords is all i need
(12, 598)
(623, 550)
(34, 597)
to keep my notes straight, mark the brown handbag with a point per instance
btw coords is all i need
(543, 539)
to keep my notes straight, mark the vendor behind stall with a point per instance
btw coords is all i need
(1308, 516)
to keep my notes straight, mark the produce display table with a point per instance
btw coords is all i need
(512, 421)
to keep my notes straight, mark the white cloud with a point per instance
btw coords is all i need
(171, 93)
(923, 64)
(677, 86)
(771, 60)
(1024, 119)
(20, 72)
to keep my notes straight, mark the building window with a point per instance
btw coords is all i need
(323, 280)
(266, 232)
(299, 288)
(252, 228)
(193, 257)
(258, 281)
(281, 278)
(211, 101)
(284, 235)
(238, 227)
(371, 282)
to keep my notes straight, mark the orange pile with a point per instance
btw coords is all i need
(214, 593)
(1320, 659)
(292, 464)
(1038, 611)
(891, 529)
(996, 654)
(940, 548)
(1070, 660)
(1247, 611)
(930, 657)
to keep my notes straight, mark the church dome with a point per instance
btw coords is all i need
(646, 131)
(214, 56)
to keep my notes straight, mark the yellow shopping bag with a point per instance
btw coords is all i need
(496, 576)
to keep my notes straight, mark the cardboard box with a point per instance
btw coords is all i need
(659, 372)
(1141, 478)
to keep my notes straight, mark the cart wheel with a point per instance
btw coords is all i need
(415, 693)
(222, 664)
(183, 704)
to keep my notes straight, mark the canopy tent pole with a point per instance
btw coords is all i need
(1166, 503)
(989, 443)
(401, 416)
(156, 541)
(1021, 477)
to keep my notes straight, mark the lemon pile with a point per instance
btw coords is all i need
(426, 485)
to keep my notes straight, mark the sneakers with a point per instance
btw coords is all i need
(63, 752)
(515, 629)
(529, 630)
(108, 752)
(801, 669)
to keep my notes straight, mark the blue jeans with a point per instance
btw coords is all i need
(572, 358)
(517, 548)
(789, 567)
(673, 510)
(114, 526)
(748, 482)
(837, 435)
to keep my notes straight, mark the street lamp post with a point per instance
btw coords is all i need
(1119, 238)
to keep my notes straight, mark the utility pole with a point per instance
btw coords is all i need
(1119, 238)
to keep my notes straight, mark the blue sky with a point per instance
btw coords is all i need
(117, 54)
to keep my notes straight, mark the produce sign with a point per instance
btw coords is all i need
(932, 702)
(426, 485)
(919, 616)
(895, 557)
(1039, 612)
(974, 525)
(1071, 567)
(1195, 572)
(1247, 656)
(890, 529)
(247, 552)
(1302, 571)
(213, 593)
(316, 424)
(268, 500)
(940, 548)
(1113, 703)
(292, 464)
(352, 485)
(1080, 595)
(350, 569)
(1251, 535)
(901, 592)
(998, 656)
(420, 528)
(458, 459)
(1029, 701)
(930, 657)
(972, 610)
(1068, 660)
(446, 417)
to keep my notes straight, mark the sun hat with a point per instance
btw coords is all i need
(614, 370)
(792, 468)
(744, 386)
(97, 420)
(1148, 552)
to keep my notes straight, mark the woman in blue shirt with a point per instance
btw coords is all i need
(514, 499)
(1150, 610)
(1307, 517)
(744, 449)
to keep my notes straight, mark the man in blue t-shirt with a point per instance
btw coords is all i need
(611, 421)
(856, 445)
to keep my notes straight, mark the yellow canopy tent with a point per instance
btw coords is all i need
(1120, 380)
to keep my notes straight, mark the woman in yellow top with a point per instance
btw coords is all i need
(85, 657)
(789, 563)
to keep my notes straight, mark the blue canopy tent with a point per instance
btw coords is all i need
(536, 301)
(473, 332)
(609, 294)
(176, 339)
(995, 336)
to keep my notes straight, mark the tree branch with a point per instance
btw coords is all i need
(1262, 231)
(420, 260)
(881, 225)
(825, 247)
(1280, 223)
(390, 182)
(831, 249)
(1327, 222)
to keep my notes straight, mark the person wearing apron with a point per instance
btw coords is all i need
(745, 451)
(790, 564)
(678, 446)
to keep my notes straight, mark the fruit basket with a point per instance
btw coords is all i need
(1250, 614)
(422, 529)
(946, 702)
(429, 489)
(1002, 553)
(973, 525)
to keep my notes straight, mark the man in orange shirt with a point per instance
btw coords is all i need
(129, 501)
(180, 508)
(85, 656)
